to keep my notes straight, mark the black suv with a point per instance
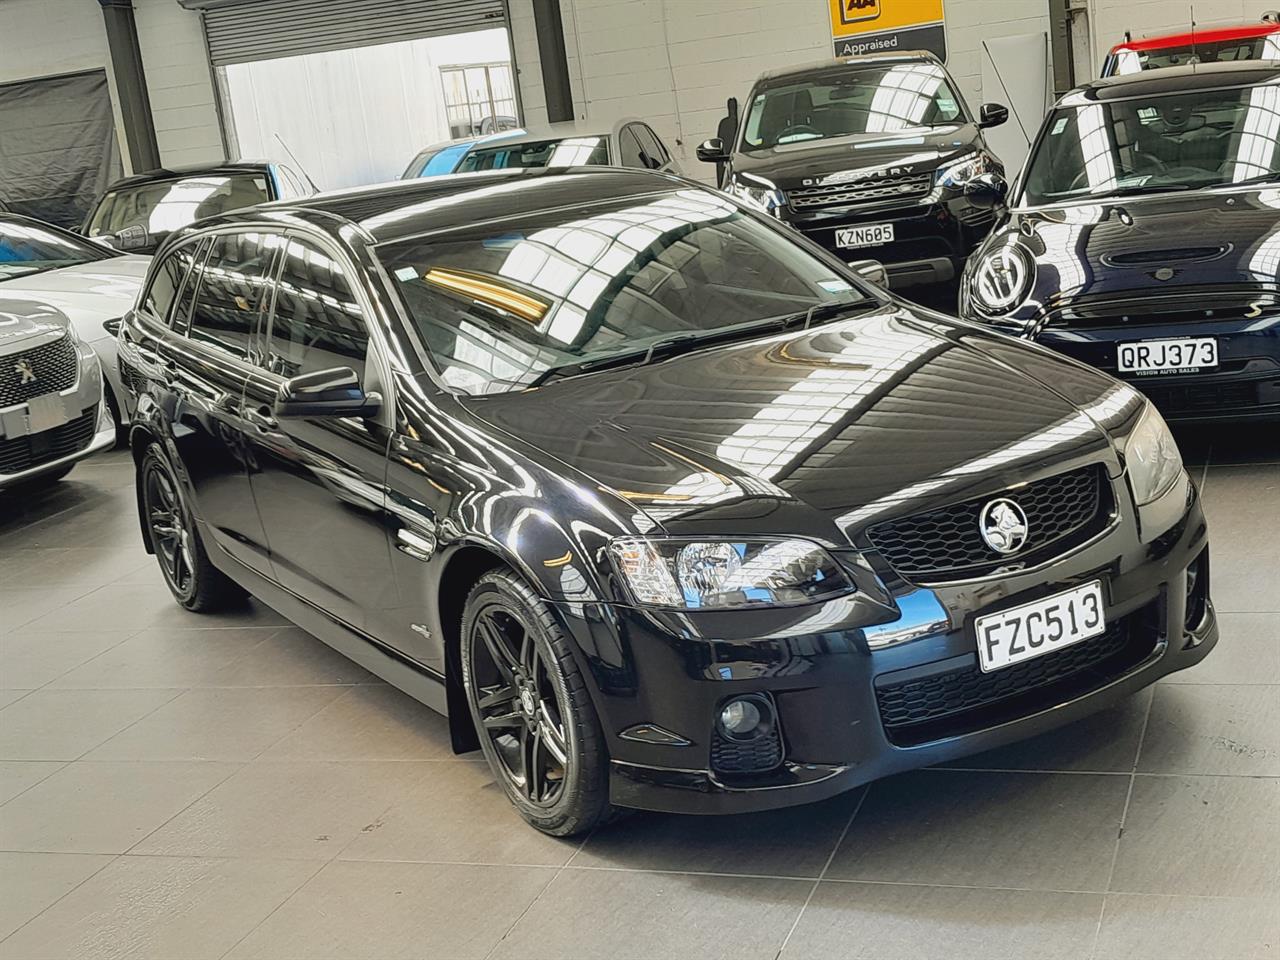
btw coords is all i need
(872, 157)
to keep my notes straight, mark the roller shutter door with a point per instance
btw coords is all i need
(239, 32)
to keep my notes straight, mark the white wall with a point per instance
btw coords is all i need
(1108, 19)
(675, 62)
(352, 116)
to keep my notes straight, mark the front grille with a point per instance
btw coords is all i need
(947, 544)
(23, 453)
(959, 701)
(860, 191)
(1190, 304)
(1175, 398)
(752, 756)
(53, 365)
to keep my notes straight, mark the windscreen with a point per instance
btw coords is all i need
(560, 152)
(1201, 138)
(865, 99)
(27, 248)
(162, 206)
(500, 306)
(1218, 51)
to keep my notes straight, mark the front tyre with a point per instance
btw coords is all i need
(192, 578)
(534, 717)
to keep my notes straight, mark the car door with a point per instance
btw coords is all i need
(204, 363)
(319, 482)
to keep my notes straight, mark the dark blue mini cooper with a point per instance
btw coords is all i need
(1143, 237)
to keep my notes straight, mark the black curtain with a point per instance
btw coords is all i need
(58, 147)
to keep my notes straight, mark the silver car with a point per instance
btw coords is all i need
(51, 406)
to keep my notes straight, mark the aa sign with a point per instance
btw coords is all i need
(887, 26)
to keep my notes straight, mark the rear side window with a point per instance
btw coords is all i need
(651, 145)
(629, 148)
(165, 284)
(317, 323)
(233, 281)
(192, 257)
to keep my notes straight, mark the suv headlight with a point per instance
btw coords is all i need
(1002, 279)
(1151, 457)
(726, 574)
(756, 192)
(956, 173)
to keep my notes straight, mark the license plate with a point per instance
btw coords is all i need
(46, 412)
(872, 235)
(1034, 629)
(1166, 356)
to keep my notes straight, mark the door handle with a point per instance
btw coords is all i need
(261, 417)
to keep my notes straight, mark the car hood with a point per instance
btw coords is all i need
(860, 156)
(818, 431)
(88, 293)
(25, 324)
(1152, 243)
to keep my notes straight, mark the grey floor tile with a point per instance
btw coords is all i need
(17, 776)
(236, 723)
(33, 658)
(31, 882)
(71, 566)
(1201, 835)
(291, 657)
(20, 606)
(63, 724)
(783, 843)
(368, 722)
(1188, 928)
(457, 813)
(1245, 549)
(1217, 728)
(103, 807)
(308, 810)
(1105, 742)
(1248, 651)
(166, 658)
(908, 922)
(127, 607)
(1034, 830)
(387, 911)
(159, 908)
(587, 914)
(12, 696)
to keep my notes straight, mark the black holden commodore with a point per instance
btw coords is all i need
(661, 504)
(1143, 237)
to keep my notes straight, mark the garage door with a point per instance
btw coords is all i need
(240, 31)
(59, 148)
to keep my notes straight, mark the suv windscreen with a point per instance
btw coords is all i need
(865, 99)
(504, 305)
(162, 206)
(560, 152)
(1202, 138)
(28, 248)
(1221, 51)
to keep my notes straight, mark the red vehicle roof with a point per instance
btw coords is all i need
(1199, 36)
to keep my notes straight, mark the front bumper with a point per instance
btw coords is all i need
(829, 684)
(932, 237)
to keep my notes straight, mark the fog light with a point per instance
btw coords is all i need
(746, 718)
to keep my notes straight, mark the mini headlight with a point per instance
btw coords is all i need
(1151, 457)
(957, 173)
(757, 193)
(1001, 279)
(727, 574)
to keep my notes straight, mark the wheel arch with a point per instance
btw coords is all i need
(140, 438)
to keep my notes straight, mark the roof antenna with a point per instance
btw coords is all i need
(1195, 57)
(301, 168)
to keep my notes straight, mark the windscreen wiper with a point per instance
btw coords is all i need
(1272, 176)
(1139, 190)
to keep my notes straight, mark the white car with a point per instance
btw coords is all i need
(90, 283)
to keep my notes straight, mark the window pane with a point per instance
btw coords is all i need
(317, 324)
(629, 149)
(164, 287)
(231, 287)
(191, 254)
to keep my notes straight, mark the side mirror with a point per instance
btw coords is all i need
(992, 114)
(712, 151)
(986, 190)
(326, 393)
(872, 271)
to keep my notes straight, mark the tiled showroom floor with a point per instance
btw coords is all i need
(177, 786)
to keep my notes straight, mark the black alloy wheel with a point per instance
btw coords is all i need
(537, 726)
(193, 580)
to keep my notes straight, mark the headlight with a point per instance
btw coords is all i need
(1151, 457)
(1001, 279)
(727, 574)
(756, 192)
(957, 173)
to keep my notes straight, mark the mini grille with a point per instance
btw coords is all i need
(860, 191)
(959, 701)
(53, 366)
(947, 543)
(751, 756)
(22, 453)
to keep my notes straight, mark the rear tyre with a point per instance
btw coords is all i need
(532, 712)
(192, 579)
